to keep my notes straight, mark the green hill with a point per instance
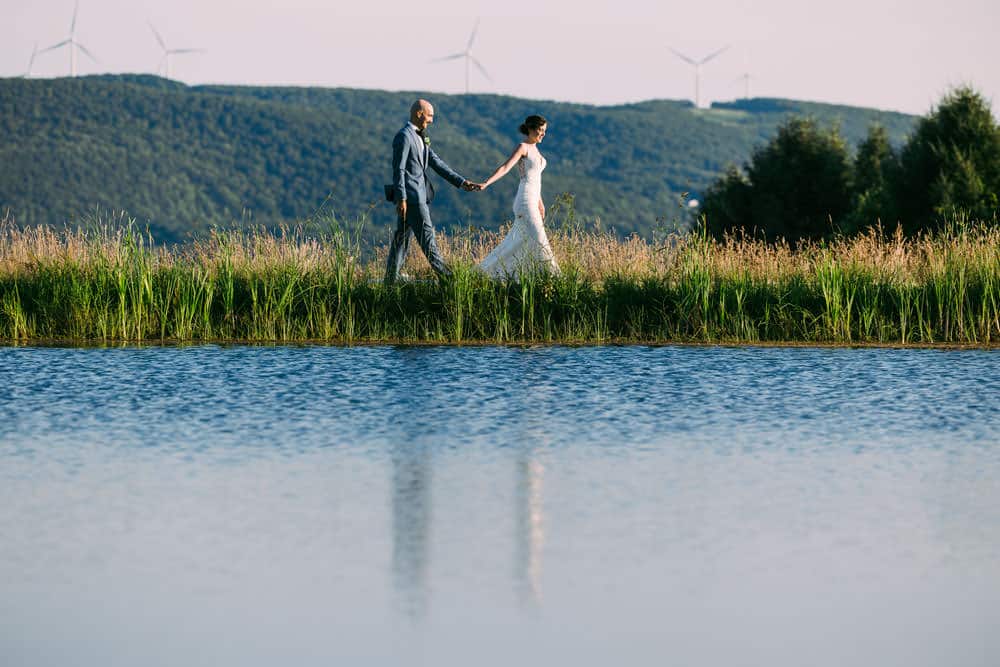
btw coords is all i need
(183, 159)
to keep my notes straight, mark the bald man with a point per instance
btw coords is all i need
(412, 191)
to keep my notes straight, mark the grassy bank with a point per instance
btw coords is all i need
(111, 284)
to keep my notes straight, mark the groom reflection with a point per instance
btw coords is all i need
(412, 461)
(411, 519)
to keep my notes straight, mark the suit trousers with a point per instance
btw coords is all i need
(418, 221)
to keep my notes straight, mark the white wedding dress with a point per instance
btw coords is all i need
(526, 246)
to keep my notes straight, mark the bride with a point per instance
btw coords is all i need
(526, 246)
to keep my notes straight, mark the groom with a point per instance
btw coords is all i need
(412, 191)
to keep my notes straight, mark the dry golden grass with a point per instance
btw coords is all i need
(875, 287)
(889, 257)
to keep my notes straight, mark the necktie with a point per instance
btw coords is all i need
(423, 142)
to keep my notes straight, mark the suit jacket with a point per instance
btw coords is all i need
(409, 167)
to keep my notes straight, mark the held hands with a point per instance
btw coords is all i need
(469, 186)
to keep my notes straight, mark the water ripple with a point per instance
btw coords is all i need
(406, 496)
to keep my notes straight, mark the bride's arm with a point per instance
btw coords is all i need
(519, 152)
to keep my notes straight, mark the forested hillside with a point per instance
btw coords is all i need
(183, 159)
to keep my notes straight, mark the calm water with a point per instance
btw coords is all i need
(481, 506)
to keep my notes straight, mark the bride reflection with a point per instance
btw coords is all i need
(529, 527)
(532, 439)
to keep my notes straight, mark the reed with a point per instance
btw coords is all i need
(110, 282)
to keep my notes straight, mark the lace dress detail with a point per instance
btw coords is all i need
(526, 246)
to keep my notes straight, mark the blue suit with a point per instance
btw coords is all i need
(410, 160)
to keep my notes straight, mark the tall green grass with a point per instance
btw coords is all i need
(111, 283)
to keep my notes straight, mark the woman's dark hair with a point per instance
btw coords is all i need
(531, 123)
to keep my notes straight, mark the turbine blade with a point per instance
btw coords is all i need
(55, 46)
(473, 37)
(714, 54)
(454, 57)
(481, 68)
(72, 26)
(682, 56)
(159, 38)
(89, 54)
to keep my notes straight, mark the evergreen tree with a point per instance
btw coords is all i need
(951, 164)
(797, 186)
(876, 167)
(727, 204)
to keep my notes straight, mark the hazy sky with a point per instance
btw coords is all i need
(890, 54)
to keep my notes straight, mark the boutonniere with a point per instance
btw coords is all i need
(427, 141)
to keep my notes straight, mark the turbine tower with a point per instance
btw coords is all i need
(31, 63)
(745, 78)
(697, 69)
(165, 61)
(72, 43)
(467, 55)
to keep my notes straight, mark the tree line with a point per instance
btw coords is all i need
(806, 182)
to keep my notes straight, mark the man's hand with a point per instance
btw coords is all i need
(469, 186)
(401, 209)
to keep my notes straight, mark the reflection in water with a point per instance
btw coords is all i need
(533, 436)
(411, 519)
(827, 507)
(411, 523)
(530, 529)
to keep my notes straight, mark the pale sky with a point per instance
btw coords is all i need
(888, 54)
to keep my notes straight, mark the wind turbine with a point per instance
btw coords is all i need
(467, 54)
(697, 69)
(73, 44)
(165, 61)
(31, 63)
(745, 78)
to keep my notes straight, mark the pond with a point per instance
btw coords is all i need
(311, 505)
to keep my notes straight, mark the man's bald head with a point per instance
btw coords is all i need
(421, 114)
